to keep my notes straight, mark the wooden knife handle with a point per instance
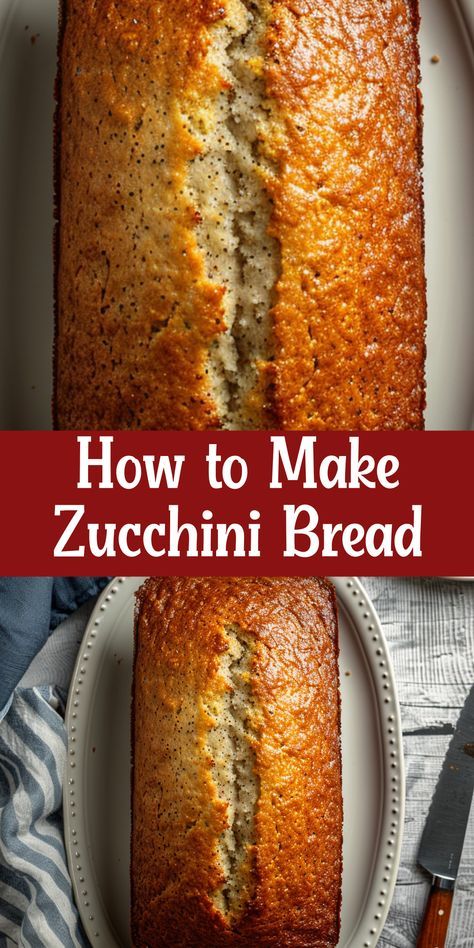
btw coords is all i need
(436, 919)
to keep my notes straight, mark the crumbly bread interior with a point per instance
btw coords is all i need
(230, 748)
(227, 184)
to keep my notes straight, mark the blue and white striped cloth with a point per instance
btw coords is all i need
(31, 607)
(36, 905)
(41, 628)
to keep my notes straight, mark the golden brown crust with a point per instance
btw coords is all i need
(177, 820)
(137, 313)
(349, 215)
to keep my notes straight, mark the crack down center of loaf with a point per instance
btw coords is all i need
(230, 747)
(226, 183)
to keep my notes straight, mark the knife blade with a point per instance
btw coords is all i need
(445, 828)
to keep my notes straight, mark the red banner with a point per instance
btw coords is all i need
(244, 503)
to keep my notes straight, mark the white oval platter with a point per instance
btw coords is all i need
(97, 783)
(27, 68)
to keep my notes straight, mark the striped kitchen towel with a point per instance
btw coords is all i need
(30, 608)
(36, 905)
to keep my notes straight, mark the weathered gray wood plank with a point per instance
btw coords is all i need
(429, 625)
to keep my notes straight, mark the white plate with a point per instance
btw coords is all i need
(96, 799)
(26, 201)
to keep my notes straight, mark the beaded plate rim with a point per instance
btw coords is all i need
(361, 613)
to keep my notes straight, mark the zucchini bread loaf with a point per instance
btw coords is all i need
(237, 802)
(240, 222)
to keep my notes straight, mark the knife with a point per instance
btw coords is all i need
(445, 828)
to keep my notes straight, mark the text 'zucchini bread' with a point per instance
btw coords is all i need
(240, 218)
(236, 796)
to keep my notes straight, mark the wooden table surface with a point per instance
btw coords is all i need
(429, 626)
